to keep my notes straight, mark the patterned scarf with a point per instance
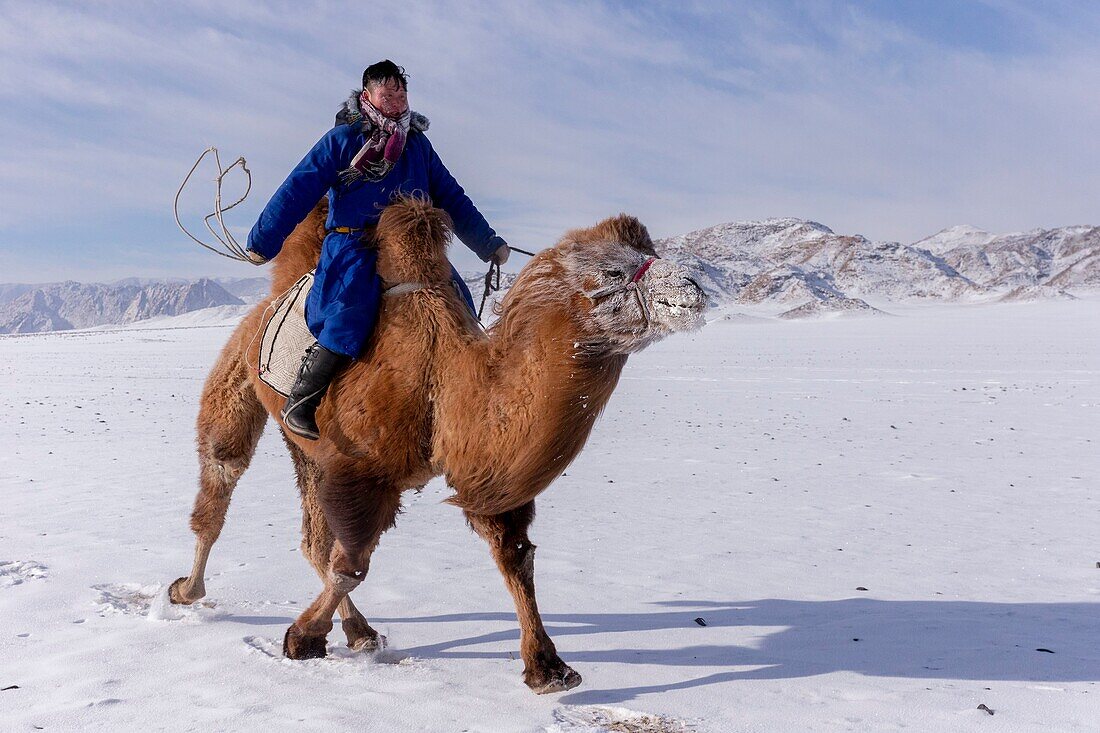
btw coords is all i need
(385, 143)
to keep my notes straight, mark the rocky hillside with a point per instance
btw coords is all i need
(67, 305)
(1061, 259)
(807, 265)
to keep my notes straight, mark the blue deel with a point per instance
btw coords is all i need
(343, 305)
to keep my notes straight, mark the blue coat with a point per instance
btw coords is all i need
(343, 305)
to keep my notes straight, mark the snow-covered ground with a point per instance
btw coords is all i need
(882, 522)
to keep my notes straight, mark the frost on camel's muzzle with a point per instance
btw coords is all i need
(675, 301)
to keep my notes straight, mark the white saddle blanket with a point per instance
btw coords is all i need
(286, 338)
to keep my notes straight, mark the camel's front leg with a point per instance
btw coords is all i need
(544, 671)
(358, 511)
(317, 543)
(307, 636)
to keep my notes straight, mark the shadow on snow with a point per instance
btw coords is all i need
(914, 639)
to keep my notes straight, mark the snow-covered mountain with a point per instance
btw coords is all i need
(791, 261)
(68, 305)
(1064, 259)
(954, 237)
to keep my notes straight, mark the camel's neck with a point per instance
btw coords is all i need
(561, 376)
(526, 400)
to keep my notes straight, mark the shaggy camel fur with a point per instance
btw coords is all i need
(501, 414)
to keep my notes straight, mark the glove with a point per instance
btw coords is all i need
(500, 256)
(255, 257)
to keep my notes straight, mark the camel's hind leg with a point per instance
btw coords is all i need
(317, 543)
(506, 533)
(230, 422)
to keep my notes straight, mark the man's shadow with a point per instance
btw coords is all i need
(1037, 642)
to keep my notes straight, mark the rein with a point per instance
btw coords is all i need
(492, 280)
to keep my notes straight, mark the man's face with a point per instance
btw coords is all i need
(389, 99)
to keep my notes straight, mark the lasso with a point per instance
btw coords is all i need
(229, 247)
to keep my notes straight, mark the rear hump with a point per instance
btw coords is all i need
(301, 250)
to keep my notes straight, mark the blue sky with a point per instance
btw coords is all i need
(888, 119)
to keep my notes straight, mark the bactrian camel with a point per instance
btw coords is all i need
(500, 415)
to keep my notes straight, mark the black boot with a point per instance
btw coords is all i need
(319, 366)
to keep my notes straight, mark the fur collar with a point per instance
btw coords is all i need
(349, 114)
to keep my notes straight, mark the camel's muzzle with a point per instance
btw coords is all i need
(676, 302)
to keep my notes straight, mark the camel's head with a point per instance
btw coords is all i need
(625, 296)
(412, 239)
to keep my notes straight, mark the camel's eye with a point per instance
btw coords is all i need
(613, 274)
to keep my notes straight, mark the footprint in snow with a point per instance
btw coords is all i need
(17, 572)
(263, 645)
(600, 719)
(128, 599)
(151, 601)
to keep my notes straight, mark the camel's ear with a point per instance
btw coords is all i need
(628, 230)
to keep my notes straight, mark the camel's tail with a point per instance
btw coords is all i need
(301, 250)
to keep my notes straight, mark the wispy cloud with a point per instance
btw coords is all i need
(871, 117)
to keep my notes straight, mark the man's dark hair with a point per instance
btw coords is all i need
(385, 71)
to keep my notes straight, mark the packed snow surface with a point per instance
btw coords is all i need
(849, 524)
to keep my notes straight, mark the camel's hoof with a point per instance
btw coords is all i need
(557, 680)
(298, 646)
(361, 637)
(176, 596)
(367, 643)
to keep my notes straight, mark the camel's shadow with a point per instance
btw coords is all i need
(1040, 642)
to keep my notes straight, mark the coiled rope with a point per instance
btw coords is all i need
(227, 244)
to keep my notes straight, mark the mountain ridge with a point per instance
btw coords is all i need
(781, 260)
(797, 267)
(69, 305)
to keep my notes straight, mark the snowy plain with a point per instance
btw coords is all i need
(883, 523)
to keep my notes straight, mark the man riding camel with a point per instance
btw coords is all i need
(377, 150)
